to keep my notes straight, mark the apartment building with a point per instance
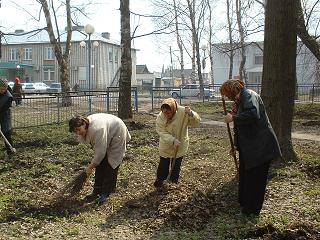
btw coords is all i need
(31, 57)
(307, 66)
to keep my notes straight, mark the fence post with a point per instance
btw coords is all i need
(152, 99)
(58, 107)
(136, 98)
(108, 99)
(313, 93)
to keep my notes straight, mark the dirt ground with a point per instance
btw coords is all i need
(202, 206)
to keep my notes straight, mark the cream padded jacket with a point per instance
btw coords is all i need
(170, 131)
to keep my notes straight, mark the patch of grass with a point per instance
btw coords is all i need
(202, 206)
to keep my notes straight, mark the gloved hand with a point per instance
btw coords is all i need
(176, 143)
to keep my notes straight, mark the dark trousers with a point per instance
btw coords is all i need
(252, 187)
(105, 178)
(163, 169)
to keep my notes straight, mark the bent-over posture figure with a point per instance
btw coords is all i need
(108, 135)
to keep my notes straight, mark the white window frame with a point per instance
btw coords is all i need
(27, 54)
(14, 54)
(48, 74)
(110, 56)
(49, 53)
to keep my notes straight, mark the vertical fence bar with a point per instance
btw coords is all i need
(58, 104)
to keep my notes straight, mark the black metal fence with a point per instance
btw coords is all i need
(304, 93)
(42, 109)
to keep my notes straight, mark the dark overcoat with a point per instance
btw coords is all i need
(254, 136)
(5, 113)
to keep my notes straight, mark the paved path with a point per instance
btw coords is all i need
(297, 135)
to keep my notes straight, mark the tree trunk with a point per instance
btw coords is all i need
(179, 43)
(231, 53)
(309, 41)
(62, 58)
(279, 69)
(210, 43)
(242, 70)
(124, 106)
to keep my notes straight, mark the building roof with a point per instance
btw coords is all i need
(142, 69)
(21, 37)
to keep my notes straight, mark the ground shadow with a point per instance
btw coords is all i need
(66, 208)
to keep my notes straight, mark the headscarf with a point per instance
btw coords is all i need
(172, 103)
(3, 83)
(17, 80)
(231, 87)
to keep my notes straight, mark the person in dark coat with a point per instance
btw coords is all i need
(17, 91)
(5, 113)
(255, 141)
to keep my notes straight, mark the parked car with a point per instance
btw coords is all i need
(40, 87)
(54, 88)
(28, 87)
(191, 90)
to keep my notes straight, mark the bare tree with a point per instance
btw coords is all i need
(196, 17)
(210, 41)
(54, 36)
(310, 41)
(242, 70)
(231, 47)
(279, 69)
(124, 106)
(179, 42)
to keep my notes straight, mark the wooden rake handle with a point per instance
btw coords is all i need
(173, 160)
(7, 142)
(230, 138)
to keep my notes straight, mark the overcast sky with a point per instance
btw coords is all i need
(105, 17)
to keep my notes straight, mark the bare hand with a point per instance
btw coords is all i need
(228, 118)
(176, 143)
(233, 152)
(188, 111)
(89, 170)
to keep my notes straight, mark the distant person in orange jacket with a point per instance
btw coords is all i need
(17, 91)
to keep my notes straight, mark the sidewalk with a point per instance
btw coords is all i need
(297, 135)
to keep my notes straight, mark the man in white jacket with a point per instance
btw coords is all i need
(108, 136)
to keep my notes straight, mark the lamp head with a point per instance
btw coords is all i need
(89, 29)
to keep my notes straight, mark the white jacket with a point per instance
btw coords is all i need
(107, 134)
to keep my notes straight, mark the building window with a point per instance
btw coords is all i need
(49, 54)
(14, 54)
(257, 79)
(48, 74)
(116, 56)
(27, 54)
(258, 60)
(110, 56)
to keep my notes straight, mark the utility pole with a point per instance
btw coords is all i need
(171, 68)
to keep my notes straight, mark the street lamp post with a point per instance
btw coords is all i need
(89, 29)
(18, 70)
(204, 48)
